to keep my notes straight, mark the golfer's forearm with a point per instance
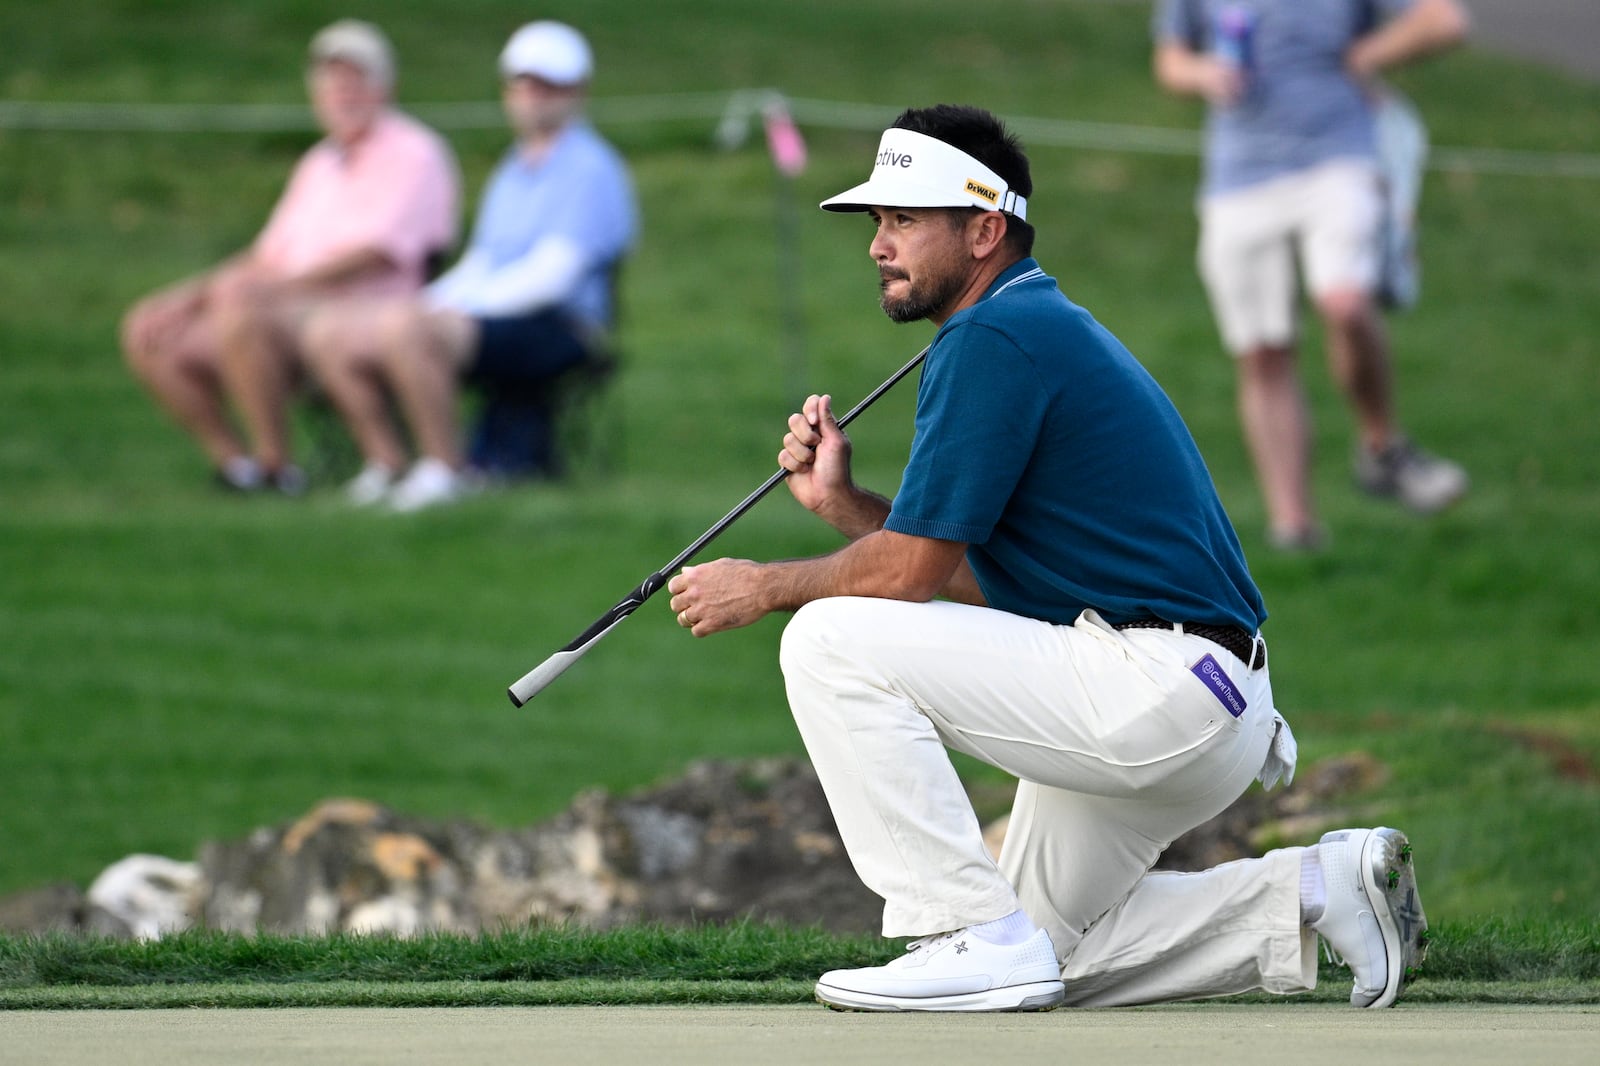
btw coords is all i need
(881, 565)
(963, 587)
(856, 513)
(868, 516)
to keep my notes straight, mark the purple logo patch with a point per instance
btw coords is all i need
(1220, 684)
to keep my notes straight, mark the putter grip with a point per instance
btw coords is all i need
(533, 682)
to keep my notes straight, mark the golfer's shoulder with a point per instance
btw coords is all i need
(993, 341)
(1024, 307)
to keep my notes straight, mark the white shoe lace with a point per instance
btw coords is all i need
(929, 941)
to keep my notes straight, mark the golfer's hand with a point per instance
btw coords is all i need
(816, 453)
(722, 594)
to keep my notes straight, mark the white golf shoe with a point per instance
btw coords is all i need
(956, 971)
(1373, 919)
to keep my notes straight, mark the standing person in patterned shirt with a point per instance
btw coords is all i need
(1291, 168)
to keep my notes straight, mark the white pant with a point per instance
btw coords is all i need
(1119, 748)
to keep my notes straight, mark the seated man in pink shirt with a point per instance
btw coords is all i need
(364, 211)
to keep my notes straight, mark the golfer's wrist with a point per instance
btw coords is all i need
(853, 512)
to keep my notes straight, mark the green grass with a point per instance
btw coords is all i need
(1529, 962)
(737, 952)
(176, 665)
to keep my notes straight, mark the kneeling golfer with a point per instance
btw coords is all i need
(1054, 590)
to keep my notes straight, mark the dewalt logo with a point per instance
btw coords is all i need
(978, 188)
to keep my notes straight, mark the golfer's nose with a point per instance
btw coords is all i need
(881, 249)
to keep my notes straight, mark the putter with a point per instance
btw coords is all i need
(535, 680)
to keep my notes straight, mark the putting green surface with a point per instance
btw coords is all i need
(1196, 1035)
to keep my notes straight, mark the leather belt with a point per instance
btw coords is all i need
(1240, 643)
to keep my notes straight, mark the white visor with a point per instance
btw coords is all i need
(915, 170)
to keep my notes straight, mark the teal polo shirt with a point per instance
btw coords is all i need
(1048, 449)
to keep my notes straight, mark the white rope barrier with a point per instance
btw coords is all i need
(733, 112)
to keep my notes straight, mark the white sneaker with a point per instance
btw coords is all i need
(370, 486)
(240, 474)
(1422, 482)
(953, 972)
(429, 483)
(1373, 917)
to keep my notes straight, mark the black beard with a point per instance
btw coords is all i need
(920, 302)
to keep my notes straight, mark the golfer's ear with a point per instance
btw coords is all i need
(988, 233)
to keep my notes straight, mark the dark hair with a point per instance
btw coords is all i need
(984, 137)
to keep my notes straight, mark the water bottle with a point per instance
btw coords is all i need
(1236, 26)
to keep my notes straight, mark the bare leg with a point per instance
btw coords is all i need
(344, 347)
(259, 363)
(1358, 357)
(181, 368)
(1272, 409)
(424, 356)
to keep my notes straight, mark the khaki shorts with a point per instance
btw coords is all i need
(1331, 213)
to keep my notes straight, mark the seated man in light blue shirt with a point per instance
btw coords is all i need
(526, 302)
